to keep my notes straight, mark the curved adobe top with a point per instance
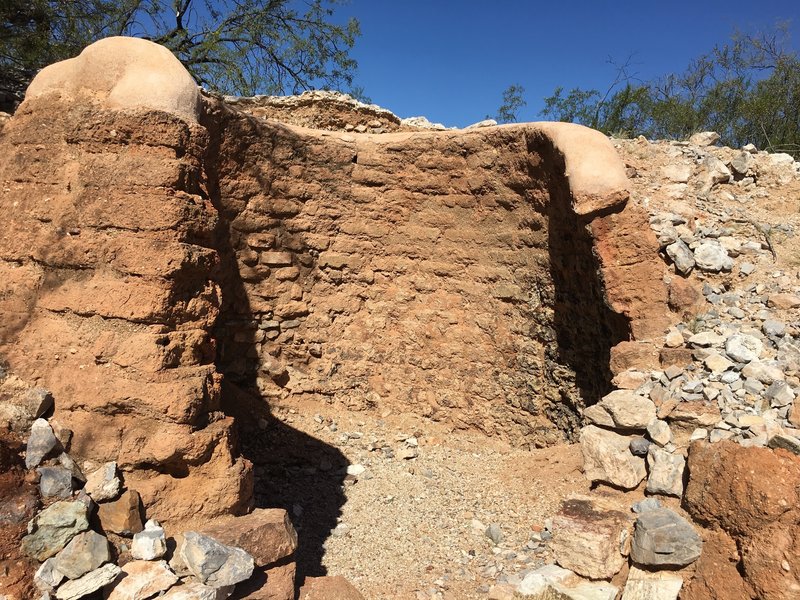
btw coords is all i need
(122, 72)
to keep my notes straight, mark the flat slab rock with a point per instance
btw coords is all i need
(91, 582)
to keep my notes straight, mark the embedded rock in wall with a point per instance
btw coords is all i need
(106, 258)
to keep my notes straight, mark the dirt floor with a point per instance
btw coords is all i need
(409, 527)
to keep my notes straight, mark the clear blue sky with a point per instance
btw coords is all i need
(450, 60)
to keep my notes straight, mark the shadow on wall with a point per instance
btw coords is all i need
(293, 470)
(585, 328)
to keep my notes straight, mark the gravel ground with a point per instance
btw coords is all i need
(412, 527)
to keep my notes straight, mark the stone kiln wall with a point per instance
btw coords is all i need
(168, 262)
(443, 273)
(107, 300)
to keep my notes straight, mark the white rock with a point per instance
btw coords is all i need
(711, 256)
(103, 483)
(704, 138)
(682, 257)
(551, 582)
(150, 543)
(143, 579)
(677, 173)
(716, 363)
(705, 339)
(744, 348)
(626, 409)
(48, 576)
(659, 432)
(484, 123)
(213, 563)
(356, 470)
(41, 442)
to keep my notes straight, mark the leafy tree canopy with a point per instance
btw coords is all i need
(232, 46)
(513, 101)
(747, 90)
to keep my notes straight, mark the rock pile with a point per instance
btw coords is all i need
(93, 536)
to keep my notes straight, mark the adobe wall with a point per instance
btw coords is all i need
(168, 261)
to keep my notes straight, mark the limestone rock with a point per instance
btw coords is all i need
(659, 432)
(91, 582)
(103, 483)
(716, 363)
(681, 256)
(743, 348)
(143, 579)
(122, 516)
(716, 170)
(712, 256)
(86, 552)
(213, 563)
(626, 410)
(21, 404)
(553, 583)
(150, 543)
(646, 585)
(780, 394)
(663, 538)
(705, 339)
(41, 442)
(667, 472)
(588, 536)
(607, 457)
(704, 138)
(53, 528)
(266, 534)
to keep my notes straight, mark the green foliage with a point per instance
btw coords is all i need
(747, 90)
(513, 101)
(38, 32)
(232, 46)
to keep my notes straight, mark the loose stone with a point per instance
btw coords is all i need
(89, 583)
(41, 442)
(86, 552)
(663, 538)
